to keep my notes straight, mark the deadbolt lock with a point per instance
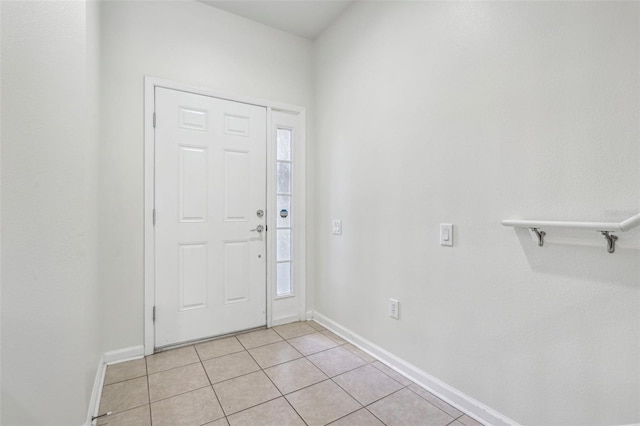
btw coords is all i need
(260, 213)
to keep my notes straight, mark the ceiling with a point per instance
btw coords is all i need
(306, 18)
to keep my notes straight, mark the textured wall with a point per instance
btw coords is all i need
(50, 311)
(471, 113)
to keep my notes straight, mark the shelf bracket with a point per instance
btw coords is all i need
(540, 235)
(611, 241)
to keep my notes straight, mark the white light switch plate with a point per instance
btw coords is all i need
(337, 227)
(446, 234)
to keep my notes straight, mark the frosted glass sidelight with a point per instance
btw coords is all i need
(284, 278)
(284, 178)
(284, 209)
(284, 144)
(284, 244)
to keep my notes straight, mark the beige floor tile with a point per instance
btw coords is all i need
(316, 326)
(273, 413)
(335, 361)
(192, 408)
(322, 403)
(245, 391)
(312, 343)
(122, 396)
(125, 371)
(359, 418)
(229, 366)
(367, 384)
(359, 352)
(258, 338)
(273, 354)
(171, 359)
(392, 373)
(220, 347)
(294, 329)
(452, 411)
(456, 423)
(294, 375)
(176, 381)
(468, 421)
(135, 417)
(406, 408)
(220, 422)
(339, 340)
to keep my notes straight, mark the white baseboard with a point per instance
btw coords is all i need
(309, 315)
(96, 392)
(108, 358)
(125, 354)
(447, 393)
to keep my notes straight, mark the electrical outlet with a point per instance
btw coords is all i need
(394, 307)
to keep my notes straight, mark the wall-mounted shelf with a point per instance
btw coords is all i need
(605, 228)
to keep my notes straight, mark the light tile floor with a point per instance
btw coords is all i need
(294, 374)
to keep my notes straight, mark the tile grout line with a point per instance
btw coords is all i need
(454, 418)
(306, 387)
(293, 337)
(281, 393)
(124, 380)
(224, 415)
(177, 366)
(373, 402)
(113, 411)
(259, 346)
(180, 394)
(339, 374)
(373, 414)
(253, 406)
(146, 369)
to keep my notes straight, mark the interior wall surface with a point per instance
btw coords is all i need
(50, 310)
(191, 43)
(470, 113)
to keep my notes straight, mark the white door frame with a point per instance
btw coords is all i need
(150, 83)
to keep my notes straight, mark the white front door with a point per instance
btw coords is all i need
(210, 197)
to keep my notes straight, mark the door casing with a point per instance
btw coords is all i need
(150, 83)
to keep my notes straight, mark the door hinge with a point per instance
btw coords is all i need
(154, 217)
(154, 120)
(154, 314)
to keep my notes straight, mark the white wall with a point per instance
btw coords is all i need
(470, 113)
(187, 42)
(50, 312)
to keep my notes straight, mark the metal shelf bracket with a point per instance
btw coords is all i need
(611, 241)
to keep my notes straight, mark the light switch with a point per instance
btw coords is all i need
(446, 234)
(337, 227)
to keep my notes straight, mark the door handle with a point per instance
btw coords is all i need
(257, 229)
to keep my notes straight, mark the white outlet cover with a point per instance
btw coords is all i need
(337, 226)
(394, 308)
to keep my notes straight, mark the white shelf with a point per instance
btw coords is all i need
(624, 226)
(604, 228)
